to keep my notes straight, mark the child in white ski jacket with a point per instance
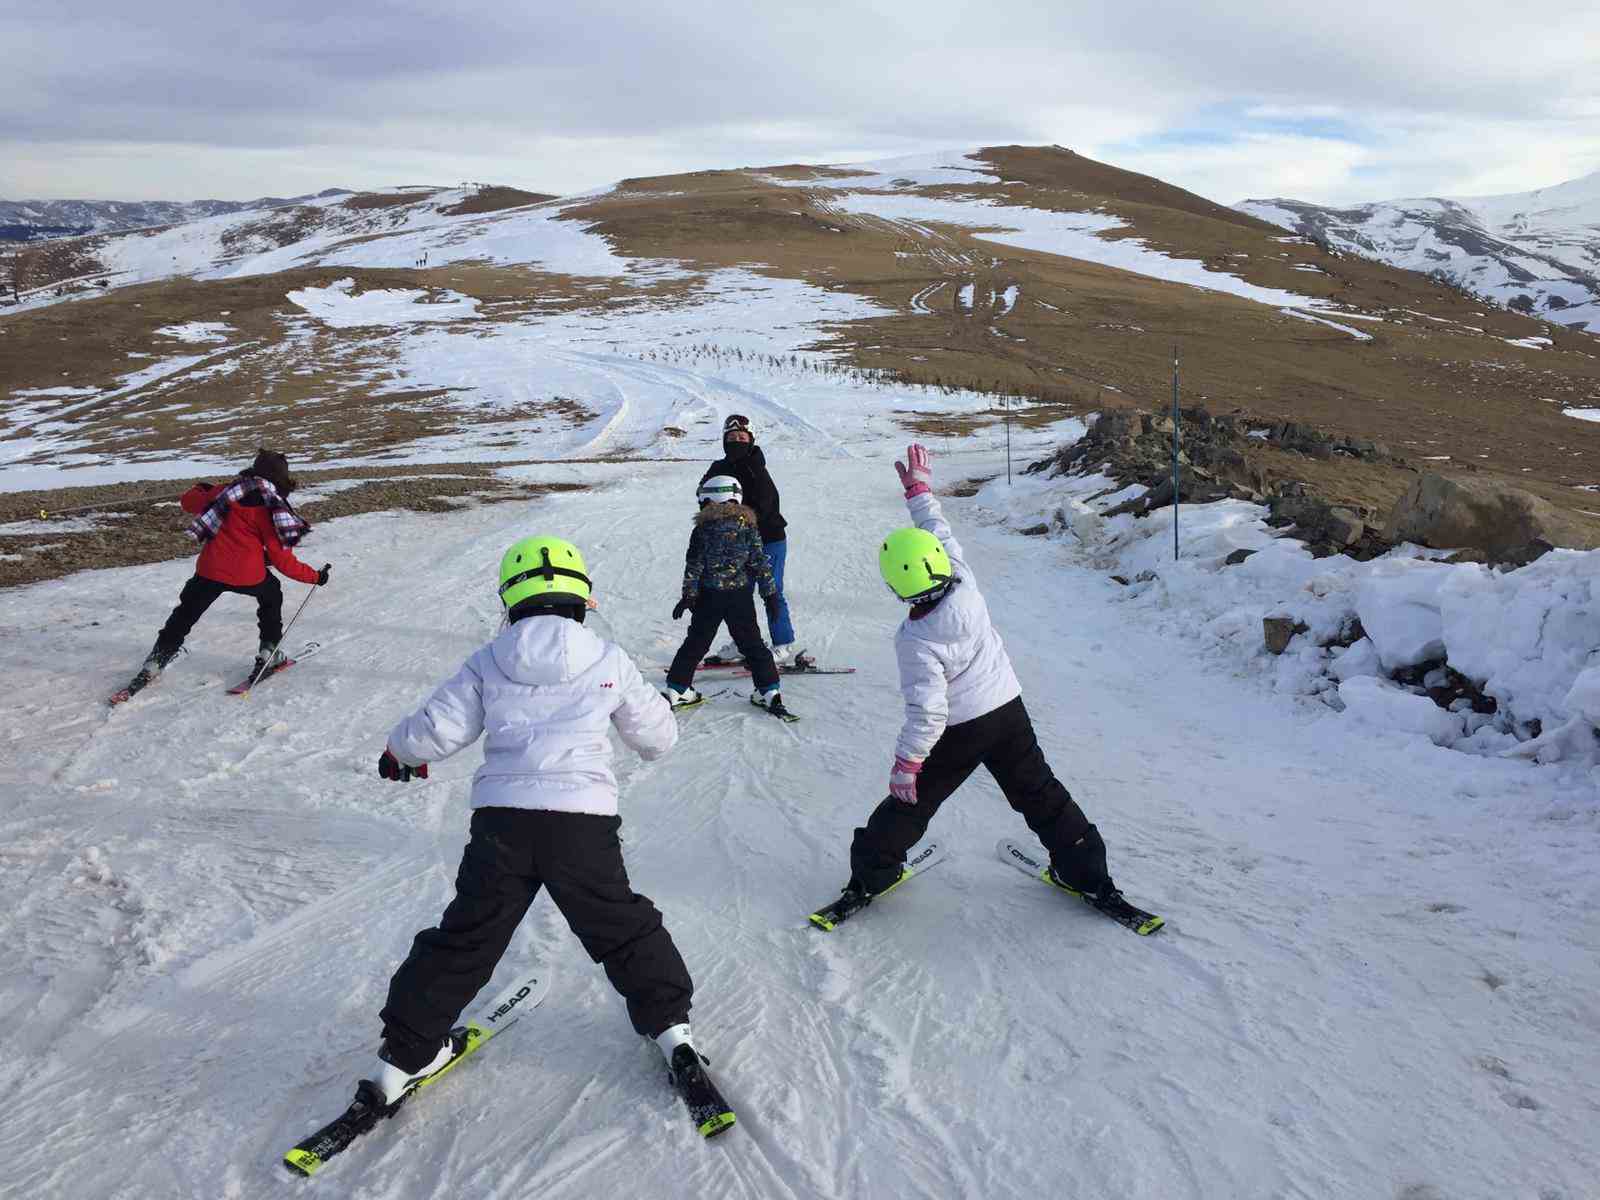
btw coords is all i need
(544, 695)
(963, 710)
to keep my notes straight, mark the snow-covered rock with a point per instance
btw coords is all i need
(1382, 705)
(1398, 603)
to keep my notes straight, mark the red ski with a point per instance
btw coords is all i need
(242, 688)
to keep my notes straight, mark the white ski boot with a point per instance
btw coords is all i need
(729, 652)
(772, 701)
(391, 1082)
(687, 698)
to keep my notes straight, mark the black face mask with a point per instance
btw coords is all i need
(736, 450)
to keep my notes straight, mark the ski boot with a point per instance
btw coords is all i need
(772, 701)
(269, 658)
(390, 1082)
(686, 1069)
(690, 697)
(786, 656)
(155, 662)
(728, 655)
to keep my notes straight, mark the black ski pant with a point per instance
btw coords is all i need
(512, 853)
(1002, 741)
(711, 609)
(201, 593)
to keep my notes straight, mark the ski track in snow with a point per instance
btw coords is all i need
(1378, 978)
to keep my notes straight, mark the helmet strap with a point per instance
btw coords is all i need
(546, 571)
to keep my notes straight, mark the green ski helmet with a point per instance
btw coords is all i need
(914, 564)
(547, 570)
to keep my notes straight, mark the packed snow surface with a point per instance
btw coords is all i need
(1378, 976)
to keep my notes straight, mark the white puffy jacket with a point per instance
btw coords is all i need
(953, 666)
(545, 693)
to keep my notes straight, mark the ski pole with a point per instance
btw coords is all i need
(254, 679)
(105, 506)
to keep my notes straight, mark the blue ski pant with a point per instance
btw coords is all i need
(780, 627)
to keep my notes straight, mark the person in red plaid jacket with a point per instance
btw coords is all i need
(242, 526)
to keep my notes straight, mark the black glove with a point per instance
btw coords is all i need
(683, 606)
(322, 575)
(390, 767)
(772, 606)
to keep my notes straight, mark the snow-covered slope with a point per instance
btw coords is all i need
(1378, 976)
(25, 220)
(1537, 251)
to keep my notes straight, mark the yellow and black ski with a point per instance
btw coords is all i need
(1114, 905)
(364, 1113)
(849, 903)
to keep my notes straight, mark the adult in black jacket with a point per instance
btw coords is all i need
(742, 459)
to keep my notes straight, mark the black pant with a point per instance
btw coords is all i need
(1002, 741)
(200, 594)
(512, 853)
(711, 609)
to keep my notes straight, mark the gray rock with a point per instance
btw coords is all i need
(1504, 522)
(1343, 527)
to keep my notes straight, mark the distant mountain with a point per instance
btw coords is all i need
(35, 220)
(1537, 252)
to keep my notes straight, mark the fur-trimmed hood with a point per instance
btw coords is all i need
(725, 510)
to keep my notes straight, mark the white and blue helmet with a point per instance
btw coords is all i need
(720, 489)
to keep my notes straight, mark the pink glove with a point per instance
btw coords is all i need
(915, 474)
(903, 779)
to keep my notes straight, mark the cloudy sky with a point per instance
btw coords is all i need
(184, 99)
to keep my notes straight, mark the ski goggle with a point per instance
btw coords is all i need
(736, 424)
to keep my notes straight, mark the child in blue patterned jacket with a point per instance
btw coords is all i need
(725, 557)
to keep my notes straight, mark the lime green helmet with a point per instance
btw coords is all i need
(547, 570)
(914, 565)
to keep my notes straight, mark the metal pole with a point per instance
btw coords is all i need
(254, 679)
(1007, 401)
(1175, 492)
(109, 505)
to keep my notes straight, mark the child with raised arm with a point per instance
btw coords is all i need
(963, 710)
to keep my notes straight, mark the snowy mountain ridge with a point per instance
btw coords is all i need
(1537, 252)
(28, 220)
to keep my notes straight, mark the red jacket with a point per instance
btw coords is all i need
(235, 556)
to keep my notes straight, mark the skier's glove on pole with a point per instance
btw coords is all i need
(322, 575)
(681, 607)
(903, 779)
(916, 475)
(390, 767)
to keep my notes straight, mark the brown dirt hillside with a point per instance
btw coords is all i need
(1438, 379)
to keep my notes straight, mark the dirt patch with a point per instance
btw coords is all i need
(495, 199)
(970, 487)
(143, 523)
(372, 200)
(1022, 416)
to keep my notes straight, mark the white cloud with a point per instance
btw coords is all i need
(1275, 165)
(227, 98)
